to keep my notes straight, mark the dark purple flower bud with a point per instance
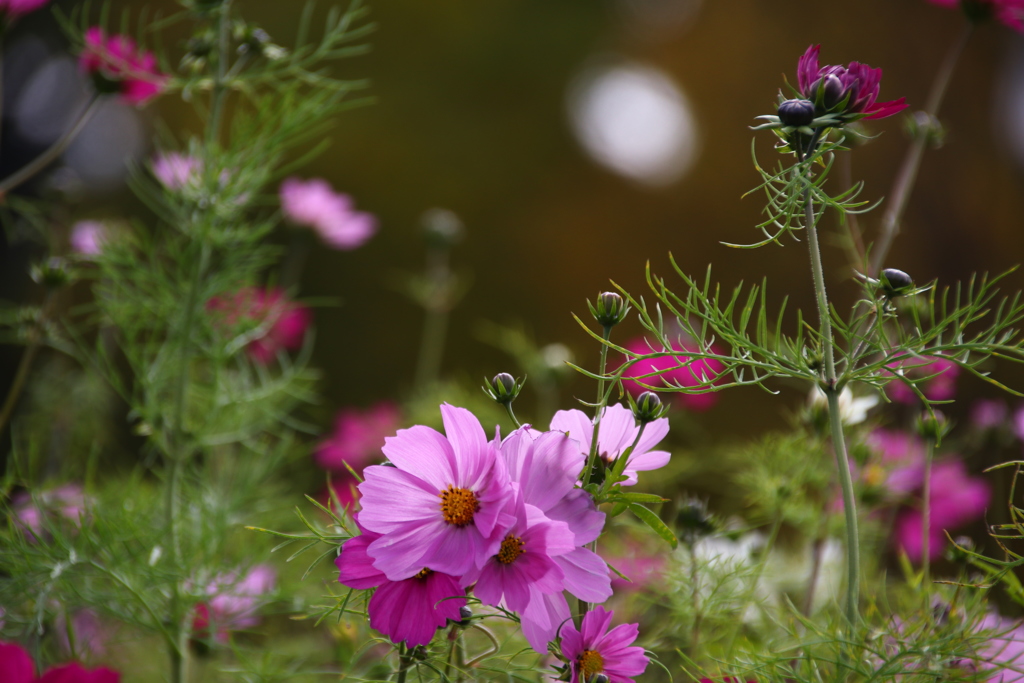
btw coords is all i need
(796, 113)
(648, 407)
(611, 309)
(895, 282)
(503, 388)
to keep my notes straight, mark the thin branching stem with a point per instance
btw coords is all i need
(926, 515)
(220, 76)
(849, 508)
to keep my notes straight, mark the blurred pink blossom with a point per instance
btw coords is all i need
(273, 321)
(940, 387)
(1003, 654)
(118, 66)
(175, 170)
(31, 512)
(694, 373)
(357, 439)
(313, 203)
(15, 8)
(16, 666)
(87, 237)
(1009, 12)
(234, 602)
(91, 633)
(989, 414)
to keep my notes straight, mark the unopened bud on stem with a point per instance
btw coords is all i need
(610, 310)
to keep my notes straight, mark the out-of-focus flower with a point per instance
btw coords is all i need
(116, 65)
(1008, 12)
(851, 90)
(91, 634)
(64, 502)
(940, 385)
(16, 666)
(1003, 654)
(12, 9)
(989, 414)
(234, 602)
(641, 567)
(852, 410)
(268, 318)
(617, 433)
(87, 237)
(956, 499)
(357, 440)
(175, 170)
(313, 203)
(595, 650)
(674, 370)
(409, 610)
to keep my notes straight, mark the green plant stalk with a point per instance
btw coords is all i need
(512, 415)
(219, 79)
(695, 603)
(831, 390)
(599, 409)
(926, 514)
(435, 325)
(25, 364)
(762, 562)
(912, 162)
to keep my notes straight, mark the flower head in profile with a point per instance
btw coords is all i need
(16, 666)
(1008, 12)
(681, 370)
(268, 319)
(593, 649)
(233, 602)
(117, 66)
(11, 9)
(314, 204)
(617, 433)
(849, 92)
(444, 506)
(410, 610)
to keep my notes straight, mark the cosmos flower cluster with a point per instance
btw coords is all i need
(501, 519)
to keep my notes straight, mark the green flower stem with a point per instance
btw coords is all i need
(38, 164)
(926, 513)
(440, 280)
(748, 597)
(404, 660)
(698, 617)
(220, 77)
(35, 334)
(831, 390)
(602, 400)
(912, 162)
(512, 415)
(620, 465)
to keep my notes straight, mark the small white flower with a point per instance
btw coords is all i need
(851, 410)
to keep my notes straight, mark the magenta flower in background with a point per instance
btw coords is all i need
(1003, 654)
(693, 373)
(271, 320)
(858, 82)
(1008, 12)
(16, 666)
(11, 9)
(900, 460)
(117, 66)
(956, 499)
(175, 170)
(445, 505)
(314, 204)
(358, 436)
(618, 431)
(989, 414)
(87, 237)
(595, 650)
(233, 602)
(30, 512)
(409, 610)
(940, 385)
(91, 633)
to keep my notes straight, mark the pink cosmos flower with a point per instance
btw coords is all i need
(32, 514)
(91, 633)
(618, 431)
(271, 320)
(989, 414)
(409, 610)
(175, 170)
(699, 372)
(1003, 654)
(445, 503)
(87, 237)
(940, 385)
(595, 650)
(1008, 12)
(233, 602)
(11, 9)
(117, 66)
(858, 82)
(16, 666)
(956, 499)
(315, 204)
(358, 436)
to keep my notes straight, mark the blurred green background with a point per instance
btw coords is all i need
(471, 112)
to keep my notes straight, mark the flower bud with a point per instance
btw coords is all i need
(933, 426)
(503, 388)
(961, 549)
(52, 273)
(465, 614)
(895, 282)
(828, 92)
(598, 678)
(648, 407)
(796, 113)
(611, 309)
(694, 521)
(441, 228)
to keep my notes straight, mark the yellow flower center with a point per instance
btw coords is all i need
(590, 662)
(458, 505)
(511, 548)
(424, 573)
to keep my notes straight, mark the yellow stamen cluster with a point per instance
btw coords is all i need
(424, 573)
(590, 662)
(511, 548)
(458, 505)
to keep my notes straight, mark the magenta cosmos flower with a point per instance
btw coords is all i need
(34, 514)
(1008, 12)
(673, 370)
(446, 503)
(11, 9)
(357, 440)
(87, 237)
(940, 385)
(595, 650)
(268, 318)
(16, 666)
(175, 170)
(830, 86)
(314, 204)
(233, 602)
(617, 433)
(117, 66)
(410, 610)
